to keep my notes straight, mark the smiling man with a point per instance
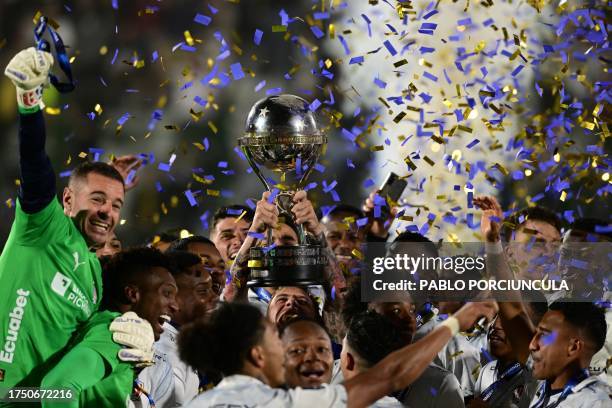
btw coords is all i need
(291, 302)
(308, 354)
(139, 281)
(48, 272)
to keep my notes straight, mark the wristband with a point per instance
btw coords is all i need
(453, 324)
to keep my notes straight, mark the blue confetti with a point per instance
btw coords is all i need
(202, 19)
(257, 36)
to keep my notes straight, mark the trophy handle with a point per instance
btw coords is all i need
(255, 168)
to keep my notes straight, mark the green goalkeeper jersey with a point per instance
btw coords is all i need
(92, 369)
(50, 284)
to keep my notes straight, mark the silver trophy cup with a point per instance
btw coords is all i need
(282, 138)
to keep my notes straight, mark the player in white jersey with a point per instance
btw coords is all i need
(244, 346)
(562, 345)
(171, 382)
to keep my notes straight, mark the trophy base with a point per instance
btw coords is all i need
(299, 265)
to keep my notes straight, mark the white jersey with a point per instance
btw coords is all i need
(459, 356)
(519, 397)
(593, 392)
(600, 360)
(387, 402)
(170, 382)
(435, 388)
(243, 391)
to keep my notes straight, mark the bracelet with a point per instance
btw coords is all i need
(452, 323)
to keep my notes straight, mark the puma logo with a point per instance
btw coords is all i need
(76, 261)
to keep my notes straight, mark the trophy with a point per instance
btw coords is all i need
(282, 137)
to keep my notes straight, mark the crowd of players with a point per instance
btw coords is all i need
(173, 323)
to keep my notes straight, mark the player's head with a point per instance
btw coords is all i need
(369, 339)
(285, 234)
(533, 234)
(291, 302)
(94, 197)
(400, 312)
(566, 339)
(229, 229)
(342, 232)
(535, 305)
(237, 339)
(308, 354)
(210, 256)
(531, 223)
(140, 280)
(111, 246)
(163, 240)
(195, 297)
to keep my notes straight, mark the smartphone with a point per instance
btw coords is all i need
(393, 187)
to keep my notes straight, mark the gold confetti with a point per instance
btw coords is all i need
(98, 109)
(400, 63)
(82, 155)
(52, 111)
(213, 193)
(103, 50)
(357, 254)
(212, 127)
(563, 195)
(199, 145)
(279, 28)
(332, 31)
(429, 161)
(188, 38)
(9, 203)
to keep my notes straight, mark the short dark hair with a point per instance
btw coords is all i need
(592, 226)
(129, 267)
(223, 342)
(373, 336)
(352, 304)
(232, 211)
(415, 237)
(291, 322)
(343, 208)
(585, 316)
(183, 243)
(182, 260)
(101, 168)
(513, 222)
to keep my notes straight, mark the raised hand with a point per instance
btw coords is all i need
(305, 214)
(266, 214)
(379, 227)
(492, 214)
(471, 312)
(125, 165)
(29, 72)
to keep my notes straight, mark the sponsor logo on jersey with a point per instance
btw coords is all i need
(14, 325)
(61, 285)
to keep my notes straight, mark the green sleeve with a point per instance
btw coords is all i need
(78, 370)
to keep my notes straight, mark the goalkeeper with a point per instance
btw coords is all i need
(50, 280)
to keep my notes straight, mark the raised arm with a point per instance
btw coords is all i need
(266, 216)
(29, 71)
(400, 368)
(514, 317)
(78, 370)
